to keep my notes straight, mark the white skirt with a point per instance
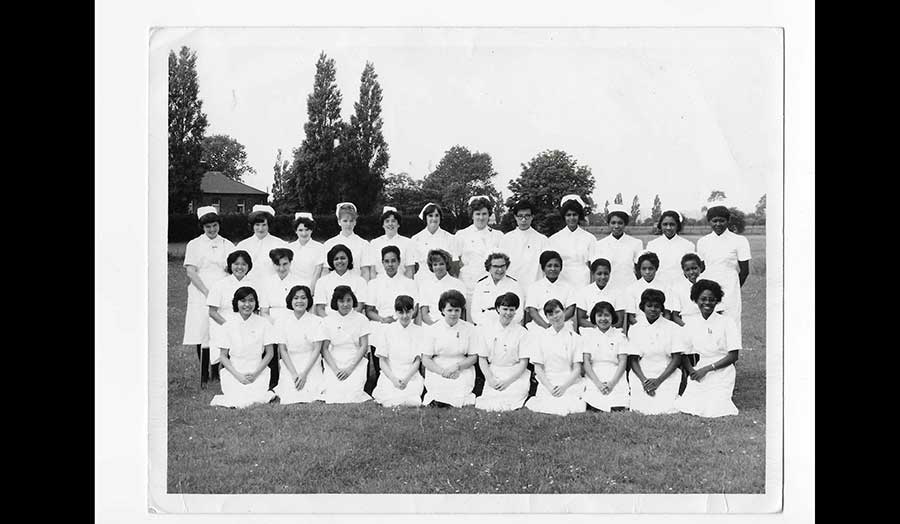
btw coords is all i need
(386, 394)
(237, 395)
(196, 325)
(710, 397)
(513, 397)
(454, 391)
(570, 402)
(349, 390)
(312, 390)
(618, 397)
(663, 400)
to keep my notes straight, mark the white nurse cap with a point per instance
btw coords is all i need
(261, 208)
(422, 212)
(574, 197)
(303, 214)
(680, 218)
(337, 208)
(387, 209)
(618, 208)
(472, 199)
(205, 210)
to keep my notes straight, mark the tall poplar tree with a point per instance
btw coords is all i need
(365, 179)
(187, 126)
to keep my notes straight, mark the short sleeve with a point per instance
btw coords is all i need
(674, 300)
(320, 292)
(362, 327)
(682, 341)
(677, 339)
(384, 349)
(632, 299)
(533, 349)
(732, 335)
(632, 347)
(638, 247)
(361, 290)
(280, 330)
(191, 254)
(621, 345)
(482, 342)
(270, 334)
(214, 298)
(531, 295)
(743, 248)
(578, 347)
(428, 342)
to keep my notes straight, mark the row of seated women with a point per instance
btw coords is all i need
(601, 367)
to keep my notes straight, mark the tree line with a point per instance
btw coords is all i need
(347, 161)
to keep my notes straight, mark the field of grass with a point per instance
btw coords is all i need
(369, 449)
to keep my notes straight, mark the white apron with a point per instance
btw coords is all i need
(619, 396)
(570, 402)
(711, 397)
(456, 392)
(513, 397)
(663, 400)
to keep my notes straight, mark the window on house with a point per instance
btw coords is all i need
(240, 206)
(217, 203)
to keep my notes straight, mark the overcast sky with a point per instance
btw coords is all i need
(674, 112)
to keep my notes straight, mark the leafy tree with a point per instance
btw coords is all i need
(546, 178)
(656, 211)
(716, 196)
(761, 210)
(459, 175)
(187, 125)
(368, 148)
(404, 193)
(635, 210)
(280, 170)
(618, 199)
(225, 154)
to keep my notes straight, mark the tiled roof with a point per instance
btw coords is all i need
(215, 182)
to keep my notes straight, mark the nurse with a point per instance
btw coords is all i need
(400, 383)
(449, 354)
(300, 350)
(670, 247)
(654, 349)
(548, 287)
(346, 335)
(431, 238)
(557, 354)
(598, 291)
(491, 286)
(276, 287)
(204, 264)
(219, 301)
(503, 360)
(383, 292)
(573, 242)
(433, 283)
(727, 258)
(261, 242)
(340, 262)
(390, 222)
(346, 216)
(475, 243)
(524, 246)
(247, 348)
(308, 254)
(621, 249)
(605, 359)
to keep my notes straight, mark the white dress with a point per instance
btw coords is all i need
(259, 255)
(299, 335)
(543, 290)
(306, 259)
(711, 339)
(402, 345)
(408, 253)
(425, 241)
(475, 246)
(524, 250)
(485, 294)
(220, 295)
(654, 343)
(633, 294)
(560, 352)
(209, 257)
(383, 291)
(604, 349)
(276, 290)
(575, 249)
(430, 290)
(721, 253)
(670, 251)
(449, 345)
(325, 288)
(503, 347)
(622, 254)
(359, 249)
(344, 333)
(246, 341)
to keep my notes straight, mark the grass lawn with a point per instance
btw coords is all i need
(365, 448)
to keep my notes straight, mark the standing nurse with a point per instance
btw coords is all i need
(573, 243)
(524, 246)
(727, 258)
(621, 249)
(308, 254)
(475, 243)
(261, 243)
(204, 263)
(670, 247)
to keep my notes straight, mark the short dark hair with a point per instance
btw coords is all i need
(258, 216)
(404, 303)
(692, 256)
(334, 251)
(492, 256)
(600, 262)
(234, 255)
(520, 205)
(675, 216)
(438, 253)
(341, 292)
(603, 306)
(652, 295)
(309, 223)
(572, 205)
(622, 214)
(508, 299)
(649, 256)
(702, 285)
(452, 297)
(390, 249)
(388, 213)
(551, 305)
(431, 208)
(547, 256)
(718, 211)
(479, 203)
(281, 252)
(293, 292)
(240, 294)
(209, 218)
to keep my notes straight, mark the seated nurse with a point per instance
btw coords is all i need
(300, 349)
(556, 353)
(346, 336)
(655, 354)
(449, 354)
(247, 346)
(400, 383)
(502, 359)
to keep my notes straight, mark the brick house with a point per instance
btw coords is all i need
(227, 195)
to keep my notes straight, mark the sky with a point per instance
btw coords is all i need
(674, 112)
